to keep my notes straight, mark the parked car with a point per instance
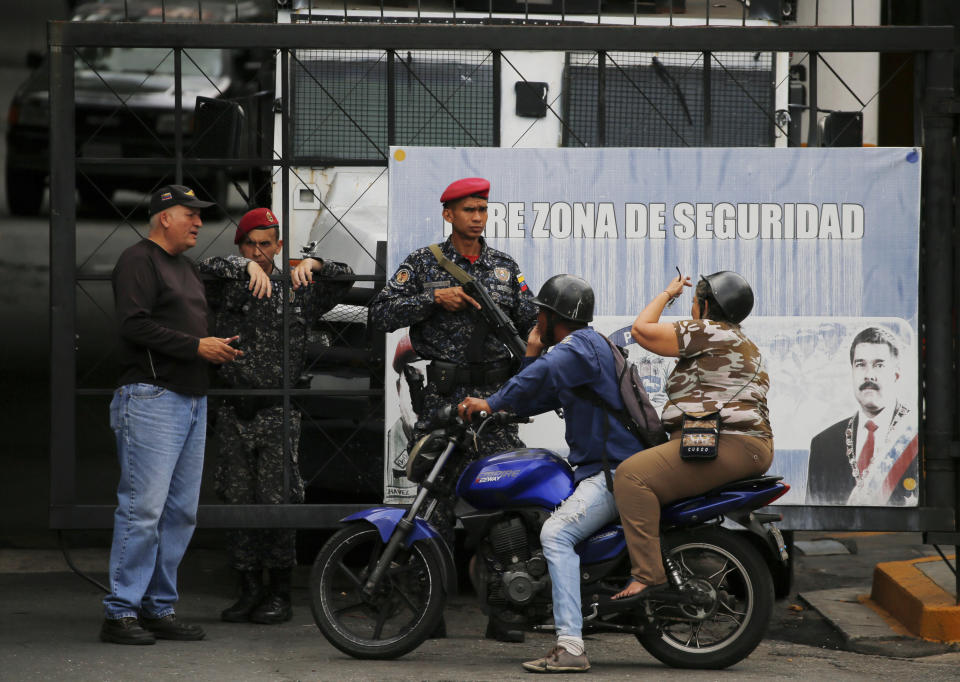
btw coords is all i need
(125, 108)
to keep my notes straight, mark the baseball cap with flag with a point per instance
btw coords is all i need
(175, 195)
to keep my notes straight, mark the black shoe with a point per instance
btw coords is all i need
(275, 608)
(125, 631)
(501, 632)
(169, 627)
(440, 631)
(251, 594)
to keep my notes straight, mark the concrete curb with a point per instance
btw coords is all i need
(908, 594)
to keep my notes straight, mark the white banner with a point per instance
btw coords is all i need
(828, 238)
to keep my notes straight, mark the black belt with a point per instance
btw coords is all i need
(448, 375)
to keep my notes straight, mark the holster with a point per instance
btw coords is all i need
(446, 376)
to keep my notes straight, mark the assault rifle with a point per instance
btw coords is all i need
(500, 324)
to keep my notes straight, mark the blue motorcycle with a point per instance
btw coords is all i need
(379, 585)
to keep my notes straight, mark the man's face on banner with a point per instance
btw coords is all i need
(875, 374)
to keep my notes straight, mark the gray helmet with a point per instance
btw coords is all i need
(732, 294)
(568, 296)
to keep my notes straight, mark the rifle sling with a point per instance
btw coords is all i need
(458, 273)
(475, 347)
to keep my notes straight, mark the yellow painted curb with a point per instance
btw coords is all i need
(917, 602)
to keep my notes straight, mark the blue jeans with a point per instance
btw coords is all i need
(588, 509)
(160, 440)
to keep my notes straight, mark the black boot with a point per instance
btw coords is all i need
(275, 608)
(439, 632)
(251, 594)
(503, 630)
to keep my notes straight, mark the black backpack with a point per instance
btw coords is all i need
(638, 415)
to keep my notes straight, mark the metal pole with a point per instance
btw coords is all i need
(601, 98)
(391, 98)
(707, 98)
(63, 250)
(285, 285)
(497, 99)
(937, 268)
(813, 130)
(178, 115)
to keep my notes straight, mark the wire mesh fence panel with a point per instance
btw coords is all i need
(340, 105)
(658, 99)
(341, 445)
(347, 102)
(742, 86)
(446, 99)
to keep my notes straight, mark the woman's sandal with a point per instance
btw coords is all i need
(646, 592)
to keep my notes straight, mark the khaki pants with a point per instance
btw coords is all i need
(658, 476)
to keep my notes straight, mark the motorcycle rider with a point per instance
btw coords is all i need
(581, 358)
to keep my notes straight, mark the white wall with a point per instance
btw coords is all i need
(860, 71)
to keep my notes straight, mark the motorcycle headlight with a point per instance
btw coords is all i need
(423, 455)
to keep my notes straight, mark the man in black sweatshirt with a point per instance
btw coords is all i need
(159, 416)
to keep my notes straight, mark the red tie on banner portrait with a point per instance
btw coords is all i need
(866, 452)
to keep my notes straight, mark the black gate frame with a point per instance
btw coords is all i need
(937, 109)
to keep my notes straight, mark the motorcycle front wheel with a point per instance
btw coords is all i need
(403, 610)
(734, 614)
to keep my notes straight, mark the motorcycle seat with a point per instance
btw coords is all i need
(743, 484)
(754, 483)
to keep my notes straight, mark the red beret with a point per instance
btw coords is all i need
(466, 187)
(257, 219)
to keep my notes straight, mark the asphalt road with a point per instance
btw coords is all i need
(54, 636)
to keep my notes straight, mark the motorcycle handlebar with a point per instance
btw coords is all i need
(448, 415)
(502, 417)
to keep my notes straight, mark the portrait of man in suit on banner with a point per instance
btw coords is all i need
(870, 457)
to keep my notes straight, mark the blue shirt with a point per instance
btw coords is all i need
(583, 358)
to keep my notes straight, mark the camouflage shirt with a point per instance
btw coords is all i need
(438, 334)
(259, 321)
(716, 360)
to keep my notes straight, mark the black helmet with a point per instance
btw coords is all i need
(732, 294)
(568, 296)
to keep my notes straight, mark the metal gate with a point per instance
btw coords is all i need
(80, 384)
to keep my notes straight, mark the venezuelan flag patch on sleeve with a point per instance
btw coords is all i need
(523, 285)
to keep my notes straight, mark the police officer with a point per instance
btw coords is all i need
(249, 428)
(466, 358)
(579, 369)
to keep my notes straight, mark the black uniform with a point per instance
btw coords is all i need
(249, 429)
(466, 357)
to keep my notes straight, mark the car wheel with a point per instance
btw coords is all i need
(24, 191)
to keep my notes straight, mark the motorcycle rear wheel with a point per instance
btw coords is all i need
(724, 632)
(404, 609)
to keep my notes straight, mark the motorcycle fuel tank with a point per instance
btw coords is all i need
(519, 478)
